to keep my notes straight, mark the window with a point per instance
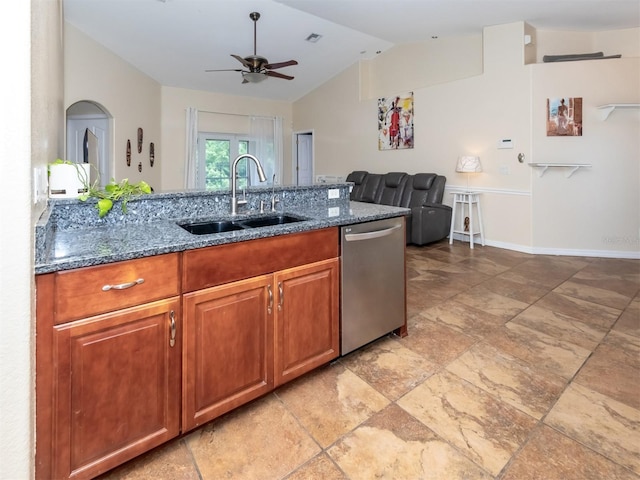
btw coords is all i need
(217, 151)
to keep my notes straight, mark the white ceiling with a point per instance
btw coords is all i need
(174, 41)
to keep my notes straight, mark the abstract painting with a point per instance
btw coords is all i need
(395, 122)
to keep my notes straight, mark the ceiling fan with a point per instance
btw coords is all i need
(257, 68)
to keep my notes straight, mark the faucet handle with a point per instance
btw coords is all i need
(274, 200)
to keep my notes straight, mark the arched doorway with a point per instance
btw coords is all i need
(88, 138)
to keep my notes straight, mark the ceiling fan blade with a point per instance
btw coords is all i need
(226, 70)
(278, 75)
(273, 66)
(242, 60)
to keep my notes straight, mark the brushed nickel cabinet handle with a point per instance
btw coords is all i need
(270, 299)
(280, 295)
(123, 286)
(172, 337)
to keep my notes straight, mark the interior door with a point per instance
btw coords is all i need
(304, 158)
(76, 147)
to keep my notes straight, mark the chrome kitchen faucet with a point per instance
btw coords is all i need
(234, 201)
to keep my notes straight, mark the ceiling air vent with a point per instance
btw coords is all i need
(313, 38)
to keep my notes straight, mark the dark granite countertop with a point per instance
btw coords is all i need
(69, 236)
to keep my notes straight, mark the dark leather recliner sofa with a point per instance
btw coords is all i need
(430, 219)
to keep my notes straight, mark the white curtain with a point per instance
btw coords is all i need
(191, 153)
(266, 135)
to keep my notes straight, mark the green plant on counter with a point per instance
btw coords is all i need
(112, 192)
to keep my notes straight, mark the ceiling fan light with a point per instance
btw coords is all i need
(254, 77)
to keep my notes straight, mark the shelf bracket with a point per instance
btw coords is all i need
(572, 171)
(543, 170)
(606, 111)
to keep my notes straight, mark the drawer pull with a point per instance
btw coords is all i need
(172, 319)
(122, 286)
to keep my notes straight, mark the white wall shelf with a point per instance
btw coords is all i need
(610, 107)
(573, 167)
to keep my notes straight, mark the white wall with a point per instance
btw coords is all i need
(175, 101)
(460, 116)
(596, 209)
(132, 99)
(470, 115)
(30, 136)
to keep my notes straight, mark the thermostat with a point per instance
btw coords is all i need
(505, 143)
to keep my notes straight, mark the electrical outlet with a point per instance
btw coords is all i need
(39, 184)
(333, 211)
(334, 193)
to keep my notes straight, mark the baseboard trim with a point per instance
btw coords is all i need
(564, 252)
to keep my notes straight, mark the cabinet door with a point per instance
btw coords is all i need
(307, 319)
(228, 349)
(117, 387)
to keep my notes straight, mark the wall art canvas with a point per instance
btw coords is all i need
(395, 122)
(564, 117)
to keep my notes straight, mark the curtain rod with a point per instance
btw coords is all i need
(234, 114)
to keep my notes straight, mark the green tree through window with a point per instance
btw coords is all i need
(219, 153)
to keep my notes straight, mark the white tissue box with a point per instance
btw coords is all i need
(68, 181)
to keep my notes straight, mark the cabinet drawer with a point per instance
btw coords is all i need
(211, 266)
(93, 290)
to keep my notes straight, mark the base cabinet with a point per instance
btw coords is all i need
(307, 322)
(117, 388)
(133, 353)
(245, 338)
(228, 352)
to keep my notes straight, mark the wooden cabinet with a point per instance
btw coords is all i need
(108, 386)
(228, 348)
(131, 354)
(245, 338)
(117, 392)
(307, 319)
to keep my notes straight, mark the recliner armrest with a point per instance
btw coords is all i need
(430, 222)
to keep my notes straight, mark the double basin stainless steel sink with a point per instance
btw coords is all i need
(206, 227)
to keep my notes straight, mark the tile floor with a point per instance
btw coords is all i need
(516, 367)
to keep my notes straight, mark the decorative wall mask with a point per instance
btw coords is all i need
(152, 153)
(128, 153)
(139, 140)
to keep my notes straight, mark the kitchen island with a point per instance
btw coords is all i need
(70, 234)
(146, 331)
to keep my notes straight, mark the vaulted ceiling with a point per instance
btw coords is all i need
(175, 41)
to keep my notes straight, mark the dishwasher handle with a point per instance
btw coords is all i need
(355, 237)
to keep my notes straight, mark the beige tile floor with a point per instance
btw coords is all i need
(516, 367)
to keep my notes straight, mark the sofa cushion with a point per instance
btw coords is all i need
(357, 177)
(422, 189)
(391, 189)
(370, 187)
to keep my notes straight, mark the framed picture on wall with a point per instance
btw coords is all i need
(564, 117)
(395, 122)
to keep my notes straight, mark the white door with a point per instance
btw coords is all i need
(304, 158)
(76, 148)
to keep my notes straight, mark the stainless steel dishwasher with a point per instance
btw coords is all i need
(372, 279)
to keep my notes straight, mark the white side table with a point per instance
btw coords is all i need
(466, 201)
